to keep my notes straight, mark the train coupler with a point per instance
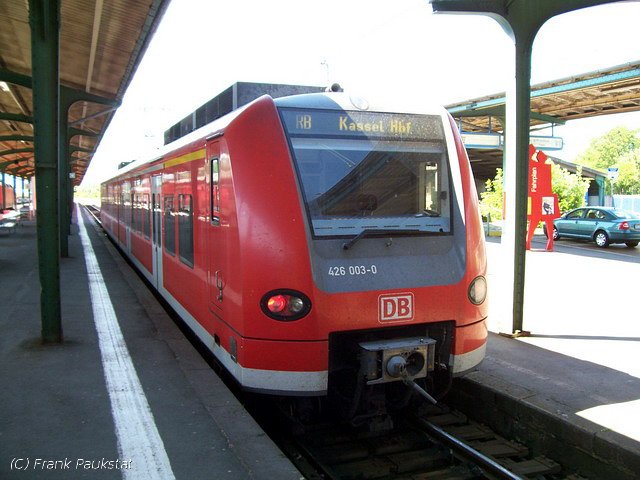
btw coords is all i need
(385, 361)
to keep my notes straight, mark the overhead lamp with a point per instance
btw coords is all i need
(4, 87)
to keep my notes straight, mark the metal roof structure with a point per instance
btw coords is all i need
(64, 68)
(602, 92)
(101, 44)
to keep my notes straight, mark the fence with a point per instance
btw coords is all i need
(623, 202)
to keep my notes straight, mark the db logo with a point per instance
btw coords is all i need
(393, 308)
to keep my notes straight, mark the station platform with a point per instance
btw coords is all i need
(570, 390)
(168, 416)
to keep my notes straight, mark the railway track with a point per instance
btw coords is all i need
(438, 444)
(94, 212)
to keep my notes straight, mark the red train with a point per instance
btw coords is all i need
(315, 243)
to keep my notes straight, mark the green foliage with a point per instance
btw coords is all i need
(491, 200)
(88, 193)
(569, 187)
(607, 150)
(628, 182)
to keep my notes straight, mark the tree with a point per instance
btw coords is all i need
(628, 182)
(570, 188)
(88, 193)
(607, 150)
(491, 200)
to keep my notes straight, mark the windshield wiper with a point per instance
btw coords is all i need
(377, 231)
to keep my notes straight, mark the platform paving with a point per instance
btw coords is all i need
(56, 419)
(571, 390)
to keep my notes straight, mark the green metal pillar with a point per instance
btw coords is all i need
(44, 19)
(4, 193)
(521, 20)
(522, 123)
(63, 179)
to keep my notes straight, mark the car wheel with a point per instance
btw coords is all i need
(633, 244)
(601, 238)
(556, 235)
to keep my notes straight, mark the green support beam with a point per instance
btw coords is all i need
(16, 138)
(73, 131)
(15, 78)
(16, 150)
(521, 20)
(67, 97)
(44, 19)
(20, 170)
(16, 117)
(10, 162)
(75, 149)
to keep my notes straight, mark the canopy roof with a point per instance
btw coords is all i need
(602, 92)
(101, 45)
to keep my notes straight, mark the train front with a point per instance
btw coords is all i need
(395, 243)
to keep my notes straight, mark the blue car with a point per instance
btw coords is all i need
(602, 225)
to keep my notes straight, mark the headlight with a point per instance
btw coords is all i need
(478, 290)
(285, 305)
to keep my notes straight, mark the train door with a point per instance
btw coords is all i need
(215, 239)
(156, 230)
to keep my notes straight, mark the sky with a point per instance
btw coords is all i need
(371, 47)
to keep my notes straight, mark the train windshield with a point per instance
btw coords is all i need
(361, 172)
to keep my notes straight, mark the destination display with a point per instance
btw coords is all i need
(339, 123)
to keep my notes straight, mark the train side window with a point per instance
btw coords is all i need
(146, 222)
(134, 206)
(169, 225)
(215, 191)
(185, 229)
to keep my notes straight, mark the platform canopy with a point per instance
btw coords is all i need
(101, 44)
(601, 92)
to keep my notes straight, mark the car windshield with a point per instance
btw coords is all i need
(356, 175)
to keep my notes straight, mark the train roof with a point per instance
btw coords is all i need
(347, 101)
(324, 101)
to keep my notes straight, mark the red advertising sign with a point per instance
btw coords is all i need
(543, 203)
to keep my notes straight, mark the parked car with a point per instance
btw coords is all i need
(602, 225)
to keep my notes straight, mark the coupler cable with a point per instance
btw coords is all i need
(412, 384)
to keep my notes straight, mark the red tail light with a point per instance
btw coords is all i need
(285, 304)
(277, 304)
(623, 226)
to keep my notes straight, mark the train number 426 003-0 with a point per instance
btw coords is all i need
(353, 270)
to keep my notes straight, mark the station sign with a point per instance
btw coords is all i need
(546, 143)
(339, 123)
(481, 140)
(612, 173)
(496, 140)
